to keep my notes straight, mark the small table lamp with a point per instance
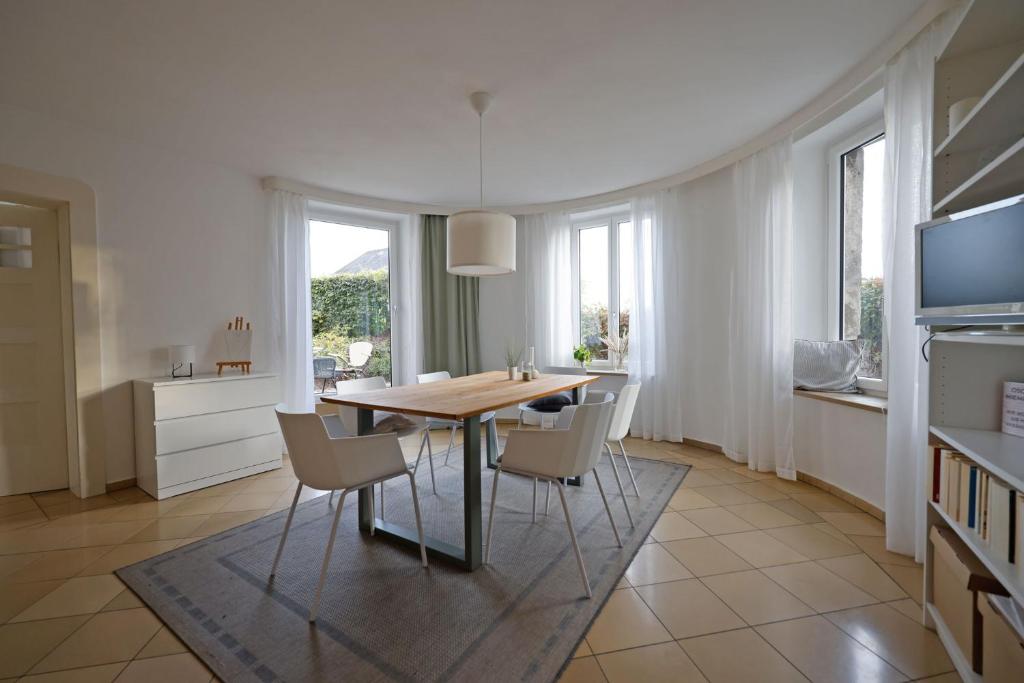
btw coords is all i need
(179, 356)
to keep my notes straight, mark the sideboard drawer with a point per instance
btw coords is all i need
(185, 433)
(173, 401)
(200, 463)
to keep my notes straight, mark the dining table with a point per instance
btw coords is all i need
(463, 399)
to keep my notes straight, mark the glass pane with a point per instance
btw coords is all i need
(594, 290)
(625, 281)
(351, 302)
(862, 252)
(15, 247)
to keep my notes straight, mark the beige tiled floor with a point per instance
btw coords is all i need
(745, 578)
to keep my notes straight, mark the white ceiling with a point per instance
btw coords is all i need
(370, 97)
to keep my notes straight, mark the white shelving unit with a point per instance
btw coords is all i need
(981, 160)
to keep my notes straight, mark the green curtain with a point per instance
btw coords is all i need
(451, 307)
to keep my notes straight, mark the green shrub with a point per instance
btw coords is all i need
(353, 307)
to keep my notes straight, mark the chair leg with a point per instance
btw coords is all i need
(534, 520)
(572, 537)
(547, 500)
(330, 497)
(315, 607)
(287, 526)
(600, 489)
(618, 480)
(430, 461)
(373, 512)
(490, 519)
(451, 444)
(382, 500)
(419, 523)
(629, 468)
(423, 442)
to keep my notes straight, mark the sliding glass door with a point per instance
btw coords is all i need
(350, 286)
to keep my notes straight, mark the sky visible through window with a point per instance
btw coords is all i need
(871, 235)
(332, 245)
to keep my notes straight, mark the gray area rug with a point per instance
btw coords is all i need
(384, 617)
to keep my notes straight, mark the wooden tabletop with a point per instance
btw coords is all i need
(461, 397)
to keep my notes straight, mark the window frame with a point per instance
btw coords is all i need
(859, 138)
(612, 219)
(358, 219)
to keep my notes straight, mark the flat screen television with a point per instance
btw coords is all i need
(970, 266)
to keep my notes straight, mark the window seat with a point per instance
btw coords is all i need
(874, 404)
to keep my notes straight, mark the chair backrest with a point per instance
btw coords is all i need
(358, 353)
(323, 368)
(349, 415)
(325, 463)
(588, 431)
(623, 415)
(565, 370)
(428, 377)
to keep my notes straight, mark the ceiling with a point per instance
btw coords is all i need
(370, 97)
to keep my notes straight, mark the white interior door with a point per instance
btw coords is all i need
(33, 429)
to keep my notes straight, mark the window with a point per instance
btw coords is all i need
(860, 277)
(603, 282)
(350, 287)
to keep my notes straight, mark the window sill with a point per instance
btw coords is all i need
(873, 404)
(607, 371)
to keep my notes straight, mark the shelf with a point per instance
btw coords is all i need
(960, 661)
(1004, 572)
(986, 24)
(1000, 454)
(997, 338)
(998, 113)
(1000, 178)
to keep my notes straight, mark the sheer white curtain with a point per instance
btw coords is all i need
(291, 325)
(907, 202)
(548, 277)
(657, 341)
(759, 412)
(407, 304)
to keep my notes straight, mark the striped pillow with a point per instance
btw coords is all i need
(826, 366)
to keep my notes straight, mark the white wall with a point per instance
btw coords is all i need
(181, 252)
(842, 446)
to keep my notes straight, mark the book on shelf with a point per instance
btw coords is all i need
(981, 504)
(1013, 408)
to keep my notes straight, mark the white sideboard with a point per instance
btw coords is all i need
(199, 431)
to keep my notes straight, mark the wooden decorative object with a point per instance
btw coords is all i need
(238, 344)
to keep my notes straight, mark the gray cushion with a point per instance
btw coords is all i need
(826, 366)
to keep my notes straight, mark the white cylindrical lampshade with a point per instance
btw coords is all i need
(181, 354)
(481, 243)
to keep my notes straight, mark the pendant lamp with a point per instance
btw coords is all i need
(481, 242)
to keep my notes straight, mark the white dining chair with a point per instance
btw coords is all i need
(347, 463)
(571, 449)
(525, 407)
(486, 419)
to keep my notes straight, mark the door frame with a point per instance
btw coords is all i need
(75, 204)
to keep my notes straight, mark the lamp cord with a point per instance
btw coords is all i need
(481, 151)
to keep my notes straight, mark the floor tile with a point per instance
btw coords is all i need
(58, 564)
(859, 523)
(760, 549)
(717, 521)
(862, 572)
(672, 526)
(789, 487)
(812, 542)
(689, 608)
(763, 515)
(740, 655)
(951, 677)
(730, 476)
(224, 521)
(726, 494)
(625, 621)
(654, 564)
(104, 673)
(126, 599)
(823, 502)
(706, 556)
(129, 553)
(761, 491)
(244, 502)
(83, 595)
(874, 547)
(22, 645)
(700, 478)
(791, 507)
(166, 528)
(690, 499)
(206, 505)
(23, 520)
(106, 638)
(15, 505)
(582, 670)
(755, 597)
(17, 597)
(909, 608)
(179, 668)
(825, 653)
(818, 587)
(910, 579)
(896, 638)
(582, 651)
(663, 663)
